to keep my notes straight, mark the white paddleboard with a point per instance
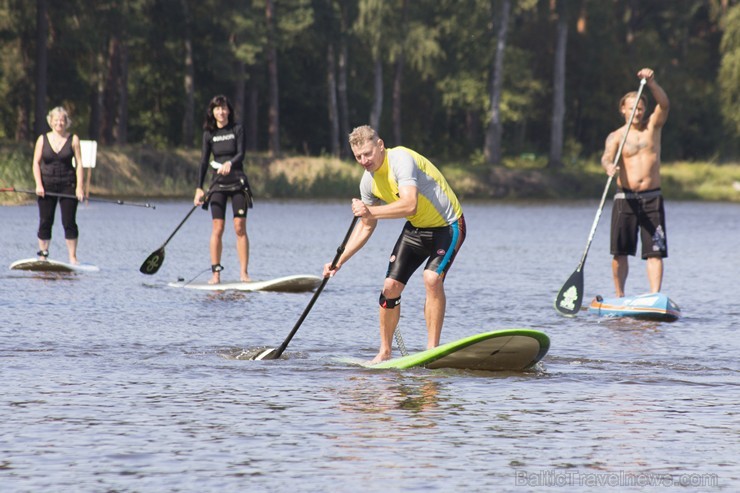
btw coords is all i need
(48, 265)
(288, 284)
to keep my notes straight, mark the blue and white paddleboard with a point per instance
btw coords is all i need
(656, 306)
(499, 350)
(48, 265)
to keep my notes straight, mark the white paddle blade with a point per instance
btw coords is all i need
(269, 353)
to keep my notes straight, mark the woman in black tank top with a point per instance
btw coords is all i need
(54, 173)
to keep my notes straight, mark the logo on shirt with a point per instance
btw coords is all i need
(221, 138)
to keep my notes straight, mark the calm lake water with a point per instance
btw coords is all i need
(113, 381)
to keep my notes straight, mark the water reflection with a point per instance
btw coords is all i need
(378, 392)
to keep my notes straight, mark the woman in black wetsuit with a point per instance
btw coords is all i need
(224, 139)
(54, 173)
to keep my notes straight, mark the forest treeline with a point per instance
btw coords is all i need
(473, 80)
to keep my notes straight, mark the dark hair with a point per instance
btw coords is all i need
(210, 121)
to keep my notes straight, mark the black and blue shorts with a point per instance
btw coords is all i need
(437, 246)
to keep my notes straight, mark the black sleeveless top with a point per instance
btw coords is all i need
(57, 165)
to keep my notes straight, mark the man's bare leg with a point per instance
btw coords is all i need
(434, 307)
(655, 273)
(620, 269)
(389, 318)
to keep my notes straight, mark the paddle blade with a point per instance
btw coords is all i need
(570, 297)
(153, 262)
(271, 353)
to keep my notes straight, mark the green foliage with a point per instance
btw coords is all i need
(729, 73)
(448, 47)
(16, 171)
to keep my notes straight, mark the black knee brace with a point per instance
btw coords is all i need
(388, 302)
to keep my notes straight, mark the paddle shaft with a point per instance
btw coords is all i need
(279, 351)
(67, 196)
(179, 226)
(206, 198)
(609, 181)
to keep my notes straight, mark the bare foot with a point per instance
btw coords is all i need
(74, 261)
(245, 278)
(215, 278)
(380, 357)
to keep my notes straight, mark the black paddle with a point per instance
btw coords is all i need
(569, 299)
(275, 353)
(154, 261)
(67, 196)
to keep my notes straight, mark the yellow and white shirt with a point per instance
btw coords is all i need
(437, 204)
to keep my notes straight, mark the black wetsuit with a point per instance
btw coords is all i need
(58, 176)
(225, 144)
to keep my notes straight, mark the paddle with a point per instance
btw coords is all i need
(275, 353)
(67, 196)
(569, 299)
(154, 261)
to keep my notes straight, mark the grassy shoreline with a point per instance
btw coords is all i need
(138, 171)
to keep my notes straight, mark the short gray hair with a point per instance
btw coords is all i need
(363, 134)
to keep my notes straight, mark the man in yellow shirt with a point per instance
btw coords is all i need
(397, 183)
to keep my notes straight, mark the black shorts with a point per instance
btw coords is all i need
(217, 203)
(438, 246)
(643, 212)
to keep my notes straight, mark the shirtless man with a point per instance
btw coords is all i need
(638, 203)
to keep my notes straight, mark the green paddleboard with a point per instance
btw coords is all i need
(499, 350)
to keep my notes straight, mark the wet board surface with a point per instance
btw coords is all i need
(36, 265)
(287, 284)
(500, 350)
(656, 306)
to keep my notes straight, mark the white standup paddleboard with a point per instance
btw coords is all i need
(288, 284)
(48, 265)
